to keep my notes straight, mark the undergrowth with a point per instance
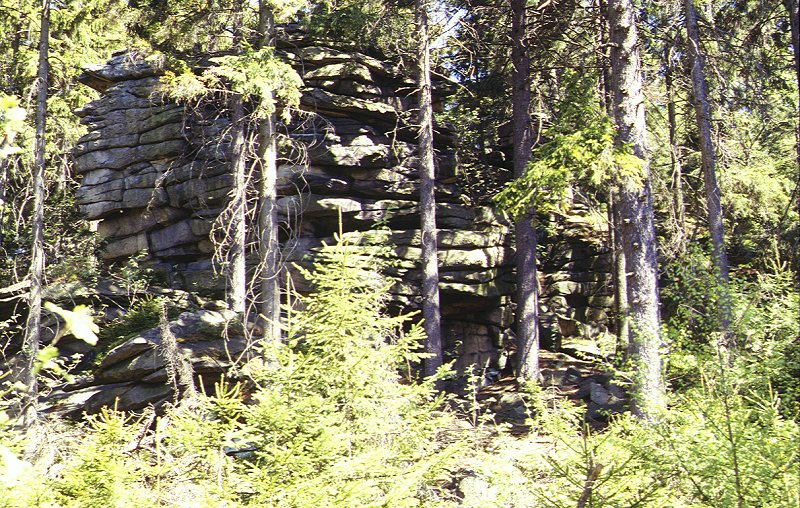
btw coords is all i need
(326, 420)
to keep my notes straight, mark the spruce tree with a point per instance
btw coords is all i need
(30, 346)
(636, 213)
(702, 109)
(269, 248)
(427, 203)
(527, 313)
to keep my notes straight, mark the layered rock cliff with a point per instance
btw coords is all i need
(155, 177)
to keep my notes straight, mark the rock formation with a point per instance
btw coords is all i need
(154, 176)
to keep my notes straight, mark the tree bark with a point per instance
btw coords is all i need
(527, 314)
(30, 346)
(427, 203)
(793, 9)
(675, 155)
(269, 248)
(636, 214)
(620, 283)
(237, 253)
(619, 277)
(702, 110)
(237, 231)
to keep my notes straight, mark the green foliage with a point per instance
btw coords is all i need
(328, 421)
(134, 275)
(255, 75)
(373, 26)
(626, 476)
(101, 473)
(142, 315)
(12, 121)
(334, 424)
(689, 301)
(731, 448)
(716, 447)
(579, 148)
(758, 181)
(768, 308)
(765, 324)
(82, 32)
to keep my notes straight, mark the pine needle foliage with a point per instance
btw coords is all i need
(577, 148)
(331, 422)
(255, 74)
(101, 473)
(335, 424)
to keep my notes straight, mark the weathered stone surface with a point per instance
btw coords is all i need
(359, 156)
(128, 246)
(320, 55)
(351, 68)
(137, 221)
(131, 397)
(98, 176)
(321, 100)
(104, 143)
(133, 121)
(109, 191)
(199, 335)
(131, 369)
(201, 192)
(122, 66)
(158, 178)
(119, 158)
(173, 235)
(128, 349)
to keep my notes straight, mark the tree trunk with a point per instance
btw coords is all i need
(30, 346)
(702, 110)
(618, 275)
(269, 248)
(675, 157)
(237, 253)
(427, 202)
(237, 230)
(636, 214)
(793, 9)
(527, 315)
(620, 283)
(3, 183)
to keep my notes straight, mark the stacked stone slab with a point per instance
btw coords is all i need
(155, 176)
